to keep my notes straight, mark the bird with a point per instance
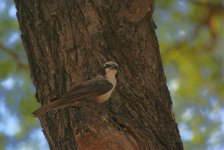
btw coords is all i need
(100, 88)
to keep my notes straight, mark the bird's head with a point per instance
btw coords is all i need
(109, 69)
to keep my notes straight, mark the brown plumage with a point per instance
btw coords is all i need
(100, 88)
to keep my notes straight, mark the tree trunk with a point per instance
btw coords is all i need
(67, 42)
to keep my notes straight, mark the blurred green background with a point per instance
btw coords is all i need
(191, 38)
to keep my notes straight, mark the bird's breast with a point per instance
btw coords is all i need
(104, 97)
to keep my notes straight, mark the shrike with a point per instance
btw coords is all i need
(100, 88)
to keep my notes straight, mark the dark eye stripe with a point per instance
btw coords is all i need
(108, 65)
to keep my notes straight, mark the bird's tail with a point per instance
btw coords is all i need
(60, 103)
(45, 108)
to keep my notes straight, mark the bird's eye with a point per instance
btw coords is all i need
(107, 65)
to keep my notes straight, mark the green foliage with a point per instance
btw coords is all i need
(5, 71)
(2, 141)
(191, 42)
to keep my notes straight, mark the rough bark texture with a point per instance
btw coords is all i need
(67, 41)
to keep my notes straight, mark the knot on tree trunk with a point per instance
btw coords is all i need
(94, 129)
(136, 10)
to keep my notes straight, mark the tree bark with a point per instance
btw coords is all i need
(67, 41)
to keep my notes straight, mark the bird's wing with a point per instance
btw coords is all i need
(90, 88)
